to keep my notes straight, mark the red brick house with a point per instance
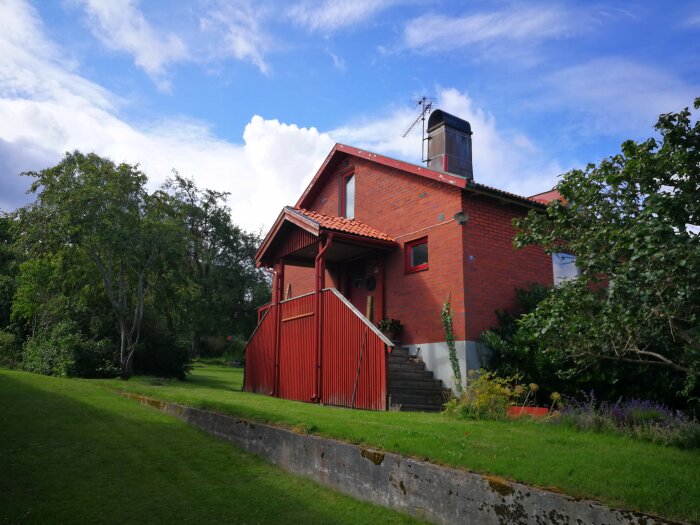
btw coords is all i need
(371, 238)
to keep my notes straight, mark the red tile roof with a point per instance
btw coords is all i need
(341, 224)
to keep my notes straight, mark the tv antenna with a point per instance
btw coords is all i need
(426, 106)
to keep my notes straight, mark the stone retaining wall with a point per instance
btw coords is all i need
(435, 493)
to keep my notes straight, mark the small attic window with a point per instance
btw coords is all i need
(417, 255)
(348, 196)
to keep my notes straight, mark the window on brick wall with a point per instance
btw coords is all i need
(348, 196)
(564, 267)
(416, 255)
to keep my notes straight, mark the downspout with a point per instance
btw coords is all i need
(279, 283)
(320, 282)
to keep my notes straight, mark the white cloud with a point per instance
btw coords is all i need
(508, 161)
(43, 104)
(328, 16)
(338, 61)
(692, 21)
(521, 26)
(46, 111)
(236, 31)
(120, 25)
(615, 95)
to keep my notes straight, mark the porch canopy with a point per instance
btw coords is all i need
(299, 236)
(320, 346)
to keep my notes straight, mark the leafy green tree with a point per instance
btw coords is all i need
(629, 221)
(89, 204)
(8, 269)
(516, 351)
(221, 285)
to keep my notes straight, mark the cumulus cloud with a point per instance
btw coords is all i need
(120, 25)
(46, 110)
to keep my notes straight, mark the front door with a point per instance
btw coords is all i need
(362, 286)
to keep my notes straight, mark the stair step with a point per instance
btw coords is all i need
(401, 383)
(405, 399)
(410, 374)
(417, 408)
(406, 365)
(407, 358)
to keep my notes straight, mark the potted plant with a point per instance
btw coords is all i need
(391, 328)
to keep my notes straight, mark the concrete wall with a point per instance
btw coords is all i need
(471, 355)
(437, 494)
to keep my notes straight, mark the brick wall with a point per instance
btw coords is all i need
(493, 268)
(475, 263)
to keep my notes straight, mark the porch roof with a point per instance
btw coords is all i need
(341, 224)
(296, 230)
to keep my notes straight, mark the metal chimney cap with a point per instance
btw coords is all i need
(439, 118)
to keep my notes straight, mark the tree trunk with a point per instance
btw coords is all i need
(124, 364)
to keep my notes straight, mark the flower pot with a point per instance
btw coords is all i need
(527, 411)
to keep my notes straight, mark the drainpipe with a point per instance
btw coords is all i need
(320, 265)
(277, 296)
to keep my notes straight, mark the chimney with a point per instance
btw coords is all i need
(450, 144)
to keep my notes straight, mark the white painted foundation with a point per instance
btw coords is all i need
(437, 359)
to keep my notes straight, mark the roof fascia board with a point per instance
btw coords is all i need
(286, 215)
(505, 197)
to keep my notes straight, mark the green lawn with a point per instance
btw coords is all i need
(72, 452)
(612, 469)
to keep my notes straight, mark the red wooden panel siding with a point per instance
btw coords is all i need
(295, 240)
(297, 357)
(260, 356)
(343, 333)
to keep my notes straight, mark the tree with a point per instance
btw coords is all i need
(221, 285)
(8, 269)
(629, 222)
(89, 204)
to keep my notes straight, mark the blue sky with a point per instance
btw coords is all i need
(249, 97)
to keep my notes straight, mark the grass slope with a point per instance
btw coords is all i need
(71, 452)
(613, 469)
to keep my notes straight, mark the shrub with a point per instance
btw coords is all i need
(516, 350)
(10, 349)
(637, 418)
(63, 351)
(486, 396)
(163, 354)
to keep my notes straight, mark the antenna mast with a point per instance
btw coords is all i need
(426, 105)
